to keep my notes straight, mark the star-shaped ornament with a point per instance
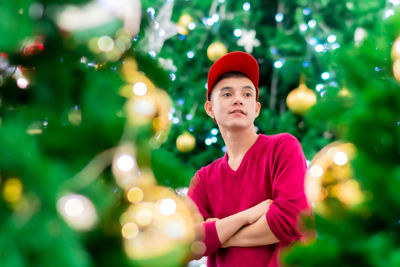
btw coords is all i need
(161, 29)
(248, 40)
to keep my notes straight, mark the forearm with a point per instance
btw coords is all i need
(256, 234)
(228, 226)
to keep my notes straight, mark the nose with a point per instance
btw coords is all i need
(238, 100)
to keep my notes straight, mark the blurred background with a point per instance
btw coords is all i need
(102, 124)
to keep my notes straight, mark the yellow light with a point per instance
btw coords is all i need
(105, 43)
(130, 230)
(140, 88)
(144, 217)
(316, 171)
(135, 195)
(125, 163)
(167, 206)
(73, 207)
(12, 190)
(78, 211)
(340, 158)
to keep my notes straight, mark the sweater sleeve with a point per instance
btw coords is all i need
(288, 173)
(198, 195)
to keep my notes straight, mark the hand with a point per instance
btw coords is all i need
(255, 212)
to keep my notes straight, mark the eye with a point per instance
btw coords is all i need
(248, 94)
(226, 94)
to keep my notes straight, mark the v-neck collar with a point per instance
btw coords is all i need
(246, 155)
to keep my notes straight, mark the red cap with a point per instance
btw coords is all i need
(234, 61)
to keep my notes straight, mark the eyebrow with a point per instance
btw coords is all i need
(244, 87)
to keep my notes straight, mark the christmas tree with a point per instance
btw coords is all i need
(102, 119)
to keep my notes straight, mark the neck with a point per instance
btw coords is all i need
(238, 142)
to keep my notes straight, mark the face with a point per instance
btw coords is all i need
(233, 103)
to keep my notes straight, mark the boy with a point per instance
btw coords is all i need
(250, 199)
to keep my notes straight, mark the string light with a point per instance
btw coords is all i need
(175, 120)
(331, 38)
(151, 12)
(325, 75)
(190, 54)
(22, 83)
(246, 6)
(319, 48)
(237, 32)
(303, 27)
(279, 63)
(306, 11)
(279, 17)
(319, 87)
(335, 46)
(214, 131)
(388, 13)
(215, 18)
(312, 23)
(312, 41)
(191, 26)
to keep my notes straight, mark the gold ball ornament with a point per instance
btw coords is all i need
(216, 50)
(301, 99)
(183, 22)
(185, 142)
(396, 69)
(330, 183)
(396, 49)
(159, 230)
(161, 122)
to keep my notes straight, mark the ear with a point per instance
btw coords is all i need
(258, 108)
(208, 108)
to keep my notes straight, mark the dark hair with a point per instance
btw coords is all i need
(230, 74)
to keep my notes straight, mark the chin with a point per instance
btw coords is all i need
(237, 125)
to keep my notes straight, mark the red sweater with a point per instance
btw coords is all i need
(273, 168)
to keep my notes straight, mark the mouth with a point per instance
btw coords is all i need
(237, 111)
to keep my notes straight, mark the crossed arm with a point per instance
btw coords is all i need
(248, 228)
